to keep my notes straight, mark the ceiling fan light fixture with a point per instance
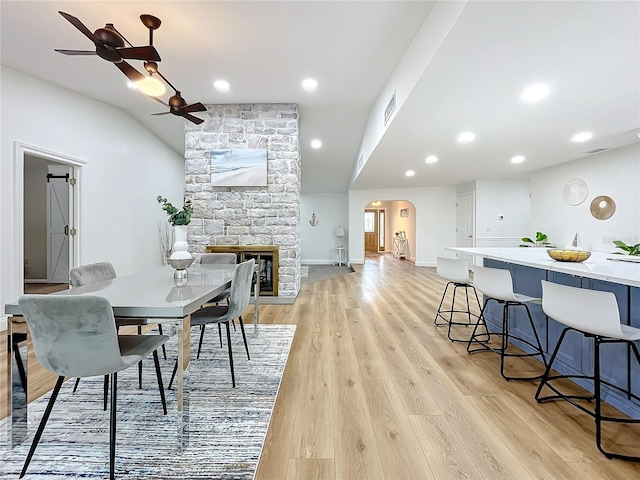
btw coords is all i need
(151, 86)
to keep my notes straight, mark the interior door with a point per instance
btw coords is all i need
(465, 221)
(371, 231)
(57, 228)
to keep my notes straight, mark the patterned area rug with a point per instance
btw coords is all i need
(227, 425)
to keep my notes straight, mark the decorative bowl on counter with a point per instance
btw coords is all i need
(568, 255)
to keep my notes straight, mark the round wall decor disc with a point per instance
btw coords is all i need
(603, 207)
(575, 191)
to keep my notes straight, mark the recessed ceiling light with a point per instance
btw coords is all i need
(431, 159)
(535, 93)
(409, 173)
(221, 85)
(309, 84)
(517, 159)
(581, 137)
(466, 137)
(316, 143)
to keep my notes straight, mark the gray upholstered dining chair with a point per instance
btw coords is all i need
(76, 336)
(90, 274)
(217, 259)
(238, 302)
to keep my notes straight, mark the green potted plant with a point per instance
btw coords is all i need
(540, 241)
(177, 217)
(633, 250)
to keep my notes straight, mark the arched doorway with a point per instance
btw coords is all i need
(390, 227)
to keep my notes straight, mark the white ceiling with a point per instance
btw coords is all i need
(588, 52)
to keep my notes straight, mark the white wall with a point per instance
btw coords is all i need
(316, 243)
(435, 214)
(127, 167)
(509, 199)
(615, 173)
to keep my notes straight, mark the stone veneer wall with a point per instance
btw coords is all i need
(248, 215)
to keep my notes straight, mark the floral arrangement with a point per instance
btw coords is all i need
(176, 217)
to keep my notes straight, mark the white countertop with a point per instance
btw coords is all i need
(598, 266)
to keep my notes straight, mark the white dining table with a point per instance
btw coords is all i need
(151, 296)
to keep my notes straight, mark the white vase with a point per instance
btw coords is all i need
(180, 246)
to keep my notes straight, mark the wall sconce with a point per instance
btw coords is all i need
(314, 220)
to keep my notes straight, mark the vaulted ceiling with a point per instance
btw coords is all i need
(587, 52)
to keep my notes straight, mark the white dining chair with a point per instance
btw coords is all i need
(595, 315)
(75, 336)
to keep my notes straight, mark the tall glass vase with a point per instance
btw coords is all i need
(180, 246)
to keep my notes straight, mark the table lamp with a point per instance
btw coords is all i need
(339, 237)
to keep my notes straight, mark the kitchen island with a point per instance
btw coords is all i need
(602, 271)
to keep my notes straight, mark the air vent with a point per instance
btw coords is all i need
(598, 150)
(391, 106)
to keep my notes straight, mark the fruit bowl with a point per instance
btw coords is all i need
(568, 255)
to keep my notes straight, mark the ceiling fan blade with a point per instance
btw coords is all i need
(149, 53)
(131, 73)
(80, 26)
(161, 113)
(193, 119)
(76, 52)
(194, 107)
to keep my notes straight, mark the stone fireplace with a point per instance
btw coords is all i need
(248, 215)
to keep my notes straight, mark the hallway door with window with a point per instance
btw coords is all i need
(371, 231)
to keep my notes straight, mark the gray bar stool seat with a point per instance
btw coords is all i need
(456, 272)
(595, 315)
(496, 285)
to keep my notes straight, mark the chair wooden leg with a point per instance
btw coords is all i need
(200, 342)
(43, 423)
(244, 337)
(233, 376)
(156, 362)
(112, 426)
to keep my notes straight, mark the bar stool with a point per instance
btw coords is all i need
(595, 315)
(496, 284)
(456, 272)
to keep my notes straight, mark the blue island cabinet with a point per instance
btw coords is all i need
(634, 320)
(618, 363)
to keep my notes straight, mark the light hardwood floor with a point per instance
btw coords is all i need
(372, 390)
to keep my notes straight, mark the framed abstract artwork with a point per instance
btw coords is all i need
(234, 167)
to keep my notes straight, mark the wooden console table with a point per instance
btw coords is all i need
(266, 257)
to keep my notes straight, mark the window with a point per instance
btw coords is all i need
(381, 230)
(369, 222)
